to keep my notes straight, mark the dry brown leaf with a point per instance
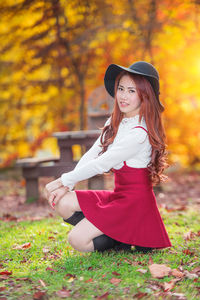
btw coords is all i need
(196, 270)
(42, 282)
(104, 296)
(63, 293)
(190, 275)
(22, 247)
(115, 273)
(179, 296)
(159, 270)
(167, 286)
(50, 269)
(188, 252)
(6, 272)
(189, 235)
(39, 295)
(140, 295)
(177, 273)
(115, 280)
(143, 271)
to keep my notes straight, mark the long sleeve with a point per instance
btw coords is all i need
(124, 148)
(92, 152)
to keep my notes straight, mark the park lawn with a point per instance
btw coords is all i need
(50, 269)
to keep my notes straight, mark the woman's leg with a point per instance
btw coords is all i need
(82, 235)
(68, 208)
(67, 205)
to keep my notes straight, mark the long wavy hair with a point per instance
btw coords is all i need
(151, 110)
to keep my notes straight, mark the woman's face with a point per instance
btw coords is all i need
(127, 97)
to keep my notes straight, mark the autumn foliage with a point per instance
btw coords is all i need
(54, 53)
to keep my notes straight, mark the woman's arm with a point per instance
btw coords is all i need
(92, 152)
(123, 149)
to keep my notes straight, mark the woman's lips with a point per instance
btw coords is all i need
(123, 104)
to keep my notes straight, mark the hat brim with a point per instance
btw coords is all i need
(111, 74)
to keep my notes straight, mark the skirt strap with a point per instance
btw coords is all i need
(140, 127)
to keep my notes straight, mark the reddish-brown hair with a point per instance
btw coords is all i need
(151, 110)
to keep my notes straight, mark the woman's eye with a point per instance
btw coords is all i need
(132, 91)
(119, 88)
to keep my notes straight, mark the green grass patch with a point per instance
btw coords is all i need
(50, 264)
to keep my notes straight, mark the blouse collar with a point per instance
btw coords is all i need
(130, 120)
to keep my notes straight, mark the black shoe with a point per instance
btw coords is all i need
(143, 249)
(75, 218)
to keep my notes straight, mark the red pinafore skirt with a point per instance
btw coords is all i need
(129, 213)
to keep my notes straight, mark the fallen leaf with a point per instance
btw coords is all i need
(6, 273)
(23, 261)
(190, 275)
(45, 250)
(23, 279)
(70, 275)
(140, 295)
(196, 270)
(177, 273)
(126, 290)
(180, 296)
(50, 269)
(39, 295)
(159, 270)
(115, 280)
(115, 273)
(167, 286)
(63, 293)
(143, 271)
(189, 235)
(51, 238)
(4, 277)
(21, 247)
(104, 296)
(89, 280)
(188, 252)
(42, 282)
(150, 260)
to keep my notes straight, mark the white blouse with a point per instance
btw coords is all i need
(130, 145)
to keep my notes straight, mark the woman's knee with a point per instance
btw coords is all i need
(77, 242)
(65, 206)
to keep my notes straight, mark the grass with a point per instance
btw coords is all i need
(88, 275)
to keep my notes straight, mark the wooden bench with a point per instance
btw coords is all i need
(99, 109)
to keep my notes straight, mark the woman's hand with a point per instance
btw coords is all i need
(54, 191)
(52, 186)
(56, 195)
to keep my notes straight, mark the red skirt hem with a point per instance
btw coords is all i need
(137, 225)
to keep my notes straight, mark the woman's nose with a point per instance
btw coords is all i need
(124, 95)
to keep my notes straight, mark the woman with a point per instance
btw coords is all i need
(132, 145)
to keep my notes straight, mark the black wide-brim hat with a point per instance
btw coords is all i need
(140, 67)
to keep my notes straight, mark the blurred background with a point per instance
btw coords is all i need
(54, 53)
